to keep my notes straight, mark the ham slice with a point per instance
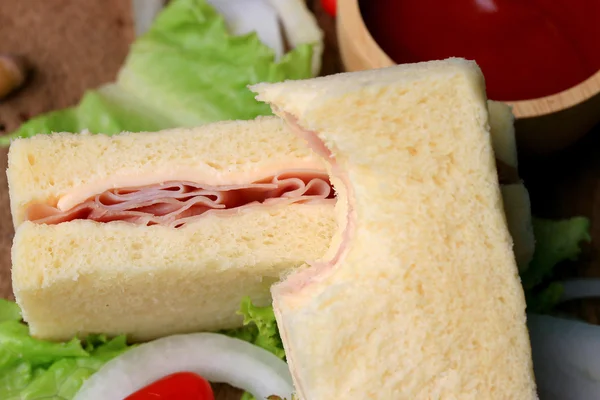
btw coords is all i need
(175, 204)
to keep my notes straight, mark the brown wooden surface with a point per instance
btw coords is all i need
(564, 185)
(72, 45)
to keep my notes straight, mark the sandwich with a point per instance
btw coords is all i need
(152, 234)
(149, 275)
(139, 236)
(418, 295)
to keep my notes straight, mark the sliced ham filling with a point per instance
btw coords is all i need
(176, 203)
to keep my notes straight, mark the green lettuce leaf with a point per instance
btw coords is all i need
(556, 241)
(187, 70)
(260, 328)
(544, 300)
(33, 369)
(9, 311)
(17, 345)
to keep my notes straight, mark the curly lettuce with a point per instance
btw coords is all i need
(556, 241)
(32, 369)
(260, 328)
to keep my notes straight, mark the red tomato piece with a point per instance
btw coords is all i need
(330, 7)
(179, 386)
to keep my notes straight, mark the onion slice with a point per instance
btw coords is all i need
(301, 27)
(566, 352)
(217, 358)
(582, 288)
(566, 358)
(245, 16)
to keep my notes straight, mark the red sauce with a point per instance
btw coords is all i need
(525, 48)
(179, 386)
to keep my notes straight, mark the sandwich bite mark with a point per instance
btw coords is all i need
(346, 219)
(152, 281)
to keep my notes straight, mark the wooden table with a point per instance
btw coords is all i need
(563, 185)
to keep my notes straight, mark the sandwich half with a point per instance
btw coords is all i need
(102, 245)
(418, 296)
(151, 234)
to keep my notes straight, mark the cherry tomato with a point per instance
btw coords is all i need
(179, 386)
(330, 6)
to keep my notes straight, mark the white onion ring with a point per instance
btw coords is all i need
(581, 288)
(245, 16)
(301, 27)
(566, 358)
(566, 352)
(217, 358)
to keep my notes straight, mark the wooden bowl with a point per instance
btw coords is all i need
(544, 125)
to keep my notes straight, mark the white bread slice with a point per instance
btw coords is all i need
(87, 277)
(422, 299)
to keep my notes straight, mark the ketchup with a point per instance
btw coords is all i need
(179, 386)
(525, 48)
